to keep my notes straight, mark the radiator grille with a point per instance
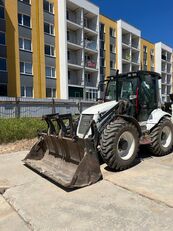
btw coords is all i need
(84, 123)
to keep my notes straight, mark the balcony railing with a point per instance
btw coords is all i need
(90, 64)
(90, 25)
(75, 41)
(73, 18)
(91, 45)
(74, 61)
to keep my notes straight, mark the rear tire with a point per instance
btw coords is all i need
(119, 144)
(162, 138)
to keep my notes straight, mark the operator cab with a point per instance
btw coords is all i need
(139, 88)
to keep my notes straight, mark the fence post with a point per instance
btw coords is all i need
(17, 109)
(53, 106)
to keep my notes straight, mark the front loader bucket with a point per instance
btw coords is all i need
(68, 162)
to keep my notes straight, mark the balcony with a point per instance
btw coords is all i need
(74, 42)
(74, 18)
(135, 58)
(126, 38)
(168, 79)
(90, 84)
(90, 64)
(90, 24)
(127, 57)
(164, 57)
(135, 42)
(73, 62)
(163, 79)
(92, 45)
(163, 90)
(164, 69)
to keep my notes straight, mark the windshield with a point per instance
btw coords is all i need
(121, 88)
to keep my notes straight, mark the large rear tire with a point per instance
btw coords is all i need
(119, 144)
(162, 138)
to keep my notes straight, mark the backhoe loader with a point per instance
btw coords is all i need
(128, 115)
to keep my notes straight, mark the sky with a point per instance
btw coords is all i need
(153, 17)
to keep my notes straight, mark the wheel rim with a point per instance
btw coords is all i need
(126, 145)
(166, 137)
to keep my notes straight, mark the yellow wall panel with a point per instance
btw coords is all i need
(149, 46)
(37, 17)
(12, 42)
(108, 23)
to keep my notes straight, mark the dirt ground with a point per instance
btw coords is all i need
(19, 145)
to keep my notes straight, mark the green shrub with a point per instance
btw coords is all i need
(16, 129)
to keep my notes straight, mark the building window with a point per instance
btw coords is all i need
(3, 90)
(102, 62)
(145, 49)
(112, 48)
(48, 6)
(50, 92)
(27, 92)
(2, 38)
(49, 28)
(24, 20)
(112, 32)
(3, 64)
(26, 68)
(2, 14)
(102, 45)
(1, 3)
(49, 50)
(50, 72)
(111, 64)
(102, 28)
(25, 44)
(26, 1)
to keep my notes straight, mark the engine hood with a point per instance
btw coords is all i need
(100, 108)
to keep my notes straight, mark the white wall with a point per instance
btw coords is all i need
(63, 49)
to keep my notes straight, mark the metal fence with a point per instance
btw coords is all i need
(26, 107)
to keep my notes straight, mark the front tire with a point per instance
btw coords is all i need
(162, 138)
(119, 144)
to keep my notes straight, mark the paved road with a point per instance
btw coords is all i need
(140, 198)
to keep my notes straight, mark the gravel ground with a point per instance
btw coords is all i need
(19, 145)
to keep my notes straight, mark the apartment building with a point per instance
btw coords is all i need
(62, 49)
(79, 53)
(163, 65)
